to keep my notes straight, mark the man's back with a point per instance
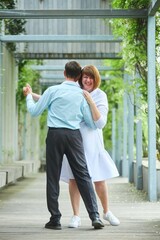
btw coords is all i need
(66, 105)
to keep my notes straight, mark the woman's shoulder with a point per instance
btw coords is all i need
(98, 92)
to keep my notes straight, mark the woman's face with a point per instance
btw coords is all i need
(88, 83)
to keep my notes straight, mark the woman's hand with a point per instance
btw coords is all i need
(88, 97)
(94, 110)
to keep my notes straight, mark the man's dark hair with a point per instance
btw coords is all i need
(73, 69)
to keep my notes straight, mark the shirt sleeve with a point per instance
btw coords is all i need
(36, 108)
(87, 115)
(102, 105)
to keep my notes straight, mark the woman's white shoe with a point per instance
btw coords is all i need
(75, 222)
(114, 221)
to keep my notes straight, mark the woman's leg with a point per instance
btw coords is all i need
(75, 221)
(74, 196)
(102, 192)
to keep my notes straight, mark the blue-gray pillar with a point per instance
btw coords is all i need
(114, 134)
(0, 101)
(139, 155)
(130, 134)
(152, 180)
(119, 141)
(139, 179)
(125, 160)
(24, 137)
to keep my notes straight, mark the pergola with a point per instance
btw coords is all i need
(149, 14)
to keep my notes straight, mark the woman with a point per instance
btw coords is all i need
(100, 165)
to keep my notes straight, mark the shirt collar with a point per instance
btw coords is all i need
(71, 83)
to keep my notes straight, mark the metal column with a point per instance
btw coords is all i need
(114, 134)
(139, 179)
(119, 140)
(0, 101)
(152, 179)
(130, 133)
(125, 113)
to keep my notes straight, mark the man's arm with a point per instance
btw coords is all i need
(87, 115)
(27, 89)
(36, 108)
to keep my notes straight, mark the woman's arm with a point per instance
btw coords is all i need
(94, 110)
(99, 108)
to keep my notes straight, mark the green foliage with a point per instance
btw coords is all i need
(26, 75)
(134, 52)
(43, 123)
(12, 26)
(158, 82)
(134, 35)
(114, 89)
(7, 4)
(130, 4)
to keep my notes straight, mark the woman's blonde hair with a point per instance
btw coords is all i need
(91, 71)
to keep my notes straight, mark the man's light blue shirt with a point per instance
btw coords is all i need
(66, 106)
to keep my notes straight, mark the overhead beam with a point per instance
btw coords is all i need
(51, 83)
(67, 56)
(154, 6)
(73, 13)
(47, 67)
(53, 77)
(54, 80)
(61, 68)
(59, 38)
(44, 83)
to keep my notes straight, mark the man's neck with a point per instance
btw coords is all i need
(71, 80)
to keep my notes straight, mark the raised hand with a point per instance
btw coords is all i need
(88, 97)
(27, 89)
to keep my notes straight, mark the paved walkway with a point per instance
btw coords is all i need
(23, 213)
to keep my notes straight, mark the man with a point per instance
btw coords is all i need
(66, 109)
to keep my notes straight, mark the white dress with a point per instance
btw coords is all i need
(99, 162)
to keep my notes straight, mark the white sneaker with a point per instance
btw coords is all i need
(114, 221)
(75, 222)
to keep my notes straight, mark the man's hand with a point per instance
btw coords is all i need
(28, 86)
(27, 89)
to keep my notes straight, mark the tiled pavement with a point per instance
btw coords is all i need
(23, 213)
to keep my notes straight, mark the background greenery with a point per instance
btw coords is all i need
(134, 59)
(11, 26)
(134, 55)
